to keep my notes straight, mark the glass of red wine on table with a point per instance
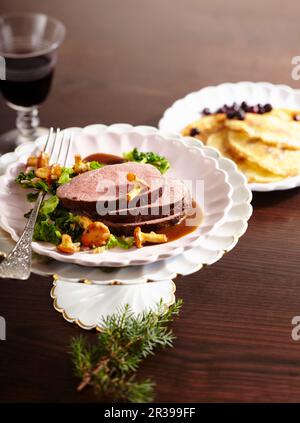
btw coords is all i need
(28, 50)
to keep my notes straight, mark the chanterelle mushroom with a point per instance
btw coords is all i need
(80, 166)
(137, 186)
(95, 235)
(42, 160)
(67, 245)
(141, 237)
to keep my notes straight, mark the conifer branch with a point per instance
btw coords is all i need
(110, 365)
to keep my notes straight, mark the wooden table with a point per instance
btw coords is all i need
(127, 62)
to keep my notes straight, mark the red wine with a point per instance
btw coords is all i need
(28, 80)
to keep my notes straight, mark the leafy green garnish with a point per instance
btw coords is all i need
(45, 230)
(160, 162)
(32, 196)
(120, 241)
(66, 174)
(25, 176)
(49, 205)
(67, 223)
(29, 180)
(93, 165)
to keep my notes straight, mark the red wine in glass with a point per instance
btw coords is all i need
(28, 45)
(28, 80)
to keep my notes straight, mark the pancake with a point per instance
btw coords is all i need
(274, 159)
(285, 114)
(206, 126)
(252, 171)
(269, 128)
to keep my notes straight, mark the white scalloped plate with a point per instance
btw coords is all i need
(187, 109)
(87, 305)
(214, 199)
(213, 246)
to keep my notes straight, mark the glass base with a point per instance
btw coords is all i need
(12, 139)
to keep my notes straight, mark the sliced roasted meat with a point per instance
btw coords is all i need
(155, 202)
(105, 190)
(175, 198)
(155, 225)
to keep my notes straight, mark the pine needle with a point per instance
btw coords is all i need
(110, 365)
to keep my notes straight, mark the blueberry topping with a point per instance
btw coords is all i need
(261, 109)
(268, 108)
(245, 106)
(240, 115)
(194, 132)
(206, 111)
(223, 109)
(238, 111)
(231, 114)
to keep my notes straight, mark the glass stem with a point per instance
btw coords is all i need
(28, 121)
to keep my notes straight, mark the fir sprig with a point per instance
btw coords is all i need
(110, 365)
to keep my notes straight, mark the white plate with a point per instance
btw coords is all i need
(187, 109)
(187, 163)
(87, 305)
(213, 246)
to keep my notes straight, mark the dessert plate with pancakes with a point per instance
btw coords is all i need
(257, 125)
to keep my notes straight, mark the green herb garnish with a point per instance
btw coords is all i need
(45, 230)
(32, 196)
(93, 165)
(66, 175)
(29, 180)
(120, 241)
(160, 162)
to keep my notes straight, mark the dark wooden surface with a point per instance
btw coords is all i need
(126, 61)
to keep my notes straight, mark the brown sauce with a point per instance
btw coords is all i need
(106, 159)
(183, 228)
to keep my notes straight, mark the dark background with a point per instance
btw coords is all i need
(127, 61)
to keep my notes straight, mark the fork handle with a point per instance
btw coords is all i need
(17, 265)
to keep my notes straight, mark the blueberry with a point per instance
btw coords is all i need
(261, 109)
(245, 106)
(194, 132)
(240, 115)
(206, 111)
(267, 107)
(297, 117)
(223, 109)
(231, 114)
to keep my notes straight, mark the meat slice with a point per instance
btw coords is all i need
(155, 225)
(101, 194)
(104, 190)
(175, 198)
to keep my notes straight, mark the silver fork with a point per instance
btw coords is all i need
(17, 264)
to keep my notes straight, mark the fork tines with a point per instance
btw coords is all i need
(61, 139)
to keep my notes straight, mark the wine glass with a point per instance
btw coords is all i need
(28, 50)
